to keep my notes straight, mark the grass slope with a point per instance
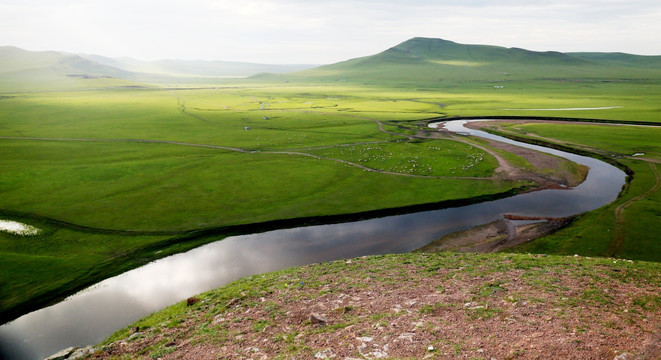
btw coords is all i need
(415, 306)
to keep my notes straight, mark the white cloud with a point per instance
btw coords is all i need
(322, 31)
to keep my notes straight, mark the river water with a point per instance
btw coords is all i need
(92, 315)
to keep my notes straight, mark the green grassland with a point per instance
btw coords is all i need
(91, 168)
(132, 170)
(597, 232)
(115, 174)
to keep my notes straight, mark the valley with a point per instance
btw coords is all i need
(118, 168)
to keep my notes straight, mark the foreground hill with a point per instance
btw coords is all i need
(422, 61)
(441, 306)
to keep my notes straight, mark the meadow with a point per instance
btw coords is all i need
(120, 176)
(626, 228)
(117, 177)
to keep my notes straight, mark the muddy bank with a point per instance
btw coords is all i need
(497, 235)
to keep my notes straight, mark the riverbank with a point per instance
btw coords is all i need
(496, 236)
(34, 298)
(424, 305)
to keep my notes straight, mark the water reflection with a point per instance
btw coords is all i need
(92, 315)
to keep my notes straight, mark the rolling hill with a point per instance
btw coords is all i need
(194, 67)
(22, 70)
(425, 60)
(415, 62)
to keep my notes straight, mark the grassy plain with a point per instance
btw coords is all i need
(114, 177)
(628, 227)
(160, 162)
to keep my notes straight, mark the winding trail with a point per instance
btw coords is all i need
(620, 229)
(246, 151)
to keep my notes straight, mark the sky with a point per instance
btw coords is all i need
(322, 31)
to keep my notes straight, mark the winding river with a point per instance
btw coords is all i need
(95, 313)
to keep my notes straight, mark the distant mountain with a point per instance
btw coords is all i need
(416, 62)
(195, 67)
(28, 70)
(425, 60)
(22, 70)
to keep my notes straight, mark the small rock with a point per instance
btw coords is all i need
(232, 302)
(348, 262)
(624, 356)
(135, 335)
(430, 348)
(192, 301)
(318, 319)
(81, 353)
(325, 354)
(62, 354)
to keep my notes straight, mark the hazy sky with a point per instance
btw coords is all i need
(322, 31)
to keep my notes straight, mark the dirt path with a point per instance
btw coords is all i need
(539, 160)
(620, 230)
(246, 151)
(504, 167)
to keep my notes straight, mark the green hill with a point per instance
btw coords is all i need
(22, 70)
(416, 62)
(424, 61)
(622, 59)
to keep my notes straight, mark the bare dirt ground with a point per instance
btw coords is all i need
(420, 306)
